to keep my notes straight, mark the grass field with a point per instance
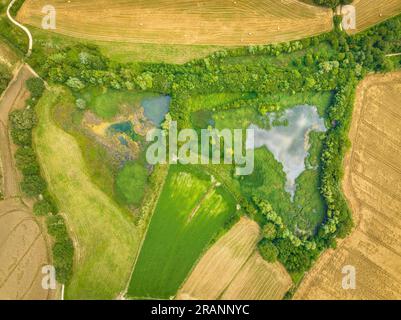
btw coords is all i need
(190, 211)
(105, 238)
(7, 55)
(232, 269)
(106, 103)
(372, 185)
(184, 22)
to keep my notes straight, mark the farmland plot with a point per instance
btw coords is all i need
(372, 185)
(371, 12)
(184, 22)
(232, 269)
(191, 209)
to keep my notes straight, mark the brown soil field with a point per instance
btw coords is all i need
(23, 247)
(372, 185)
(23, 252)
(232, 269)
(204, 22)
(371, 12)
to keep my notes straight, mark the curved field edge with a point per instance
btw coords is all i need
(185, 22)
(105, 238)
(371, 187)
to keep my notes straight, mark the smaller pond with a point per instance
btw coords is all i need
(124, 127)
(289, 144)
(155, 109)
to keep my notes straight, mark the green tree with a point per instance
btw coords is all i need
(268, 251)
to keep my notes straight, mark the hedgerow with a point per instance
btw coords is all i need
(22, 122)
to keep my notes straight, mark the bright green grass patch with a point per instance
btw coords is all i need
(107, 103)
(190, 212)
(131, 182)
(106, 239)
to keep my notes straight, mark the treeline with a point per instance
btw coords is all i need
(22, 122)
(331, 3)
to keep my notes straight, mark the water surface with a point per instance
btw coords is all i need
(289, 144)
(155, 108)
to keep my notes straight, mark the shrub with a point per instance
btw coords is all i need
(269, 231)
(33, 185)
(63, 254)
(36, 87)
(44, 207)
(24, 157)
(80, 104)
(56, 227)
(268, 251)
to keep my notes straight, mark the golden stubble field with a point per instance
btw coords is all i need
(207, 22)
(370, 12)
(372, 185)
(233, 269)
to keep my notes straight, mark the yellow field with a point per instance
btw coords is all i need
(372, 184)
(371, 12)
(232, 269)
(205, 22)
(23, 252)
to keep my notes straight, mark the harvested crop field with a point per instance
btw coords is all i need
(23, 252)
(232, 269)
(205, 22)
(7, 55)
(371, 12)
(372, 185)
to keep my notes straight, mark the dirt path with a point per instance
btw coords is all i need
(23, 247)
(19, 25)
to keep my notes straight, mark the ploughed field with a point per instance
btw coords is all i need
(372, 185)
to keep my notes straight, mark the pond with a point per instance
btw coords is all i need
(155, 108)
(289, 143)
(124, 127)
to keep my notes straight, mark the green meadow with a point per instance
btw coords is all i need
(191, 210)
